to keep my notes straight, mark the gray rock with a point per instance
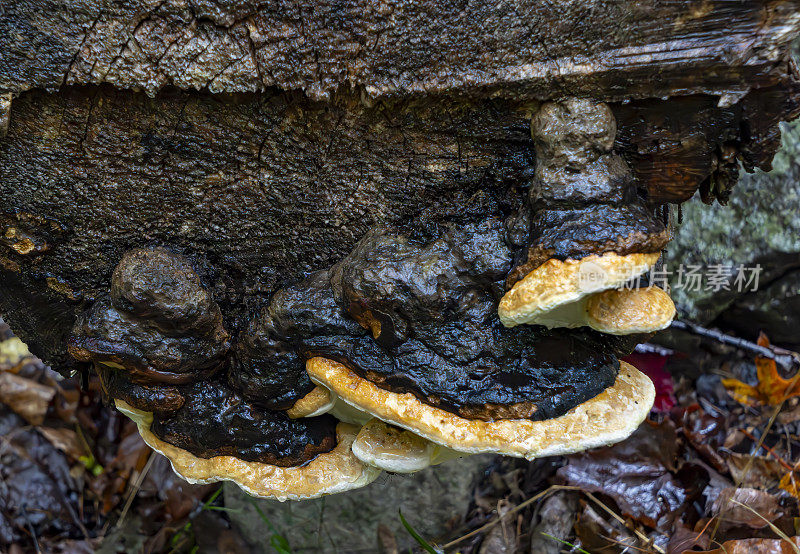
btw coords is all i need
(433, 501)
(774, 309)
(760, 226)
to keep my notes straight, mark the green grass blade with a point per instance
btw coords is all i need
(280, 544)
(422, 542)
(211, 499)
(581, 550)
(277, 541)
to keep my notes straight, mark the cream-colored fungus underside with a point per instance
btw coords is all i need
(335, 471)
(317, 402)
(555, 294)
(398, 450)
(609, 417)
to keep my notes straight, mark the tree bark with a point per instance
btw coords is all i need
(264, 141)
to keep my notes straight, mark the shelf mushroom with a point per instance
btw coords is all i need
(605, 419)
(590, 231)
(158, 345)
(395, 358)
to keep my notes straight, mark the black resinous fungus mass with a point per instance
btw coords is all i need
(412, 309)
(217, 420)
(422, 318)
(583, 198)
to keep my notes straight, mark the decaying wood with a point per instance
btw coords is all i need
(314, 122)
(613, 50)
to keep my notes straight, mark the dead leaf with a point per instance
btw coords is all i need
(706, 433)
(790, 412)
(683, 539)
(27, 398)
(637, 474)
(755, 546)
(596, 534)
(556, 518)
(771, 389)
(763, 473)
(791, 482)
(501, 539)
(37, 487)
(65, 440)
(213, 535)
(732, 507)
(387, 543)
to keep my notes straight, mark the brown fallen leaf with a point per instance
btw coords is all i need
(790, 482)
(639, 474)
(771, 389)
(37, 487)
(213, 535)
(27, 398)
(755, 546)
(790, 412)
(684, 539)
(65, 440)
(706, 433)
(763, 472)
(732, 507)
(596, 534)
(555, 520)
(387, 543)
(501, 539)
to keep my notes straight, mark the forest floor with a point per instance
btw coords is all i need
(714, 469)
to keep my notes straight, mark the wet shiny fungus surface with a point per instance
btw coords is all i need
(215, 421)
(421, 318)
(412, 308)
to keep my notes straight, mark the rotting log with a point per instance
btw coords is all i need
(357, 185)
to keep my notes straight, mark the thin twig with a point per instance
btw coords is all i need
(772, 526)
(786, 358)
(514, 510)
(135, 489)
(551, 489)
(650, 348)
(620, 543)
(619, 518)
(769, 450)
(31, 530)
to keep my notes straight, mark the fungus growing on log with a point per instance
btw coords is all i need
(336, 471)
(158, 323)
(303, 267)
(590, 230)
(157, 343)
(393, 449)
(605, 419)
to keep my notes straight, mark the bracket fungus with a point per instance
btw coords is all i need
(421, 345)
(393, 449)
(351, 263)
(400, 340)
(590, 230)
(157, 343)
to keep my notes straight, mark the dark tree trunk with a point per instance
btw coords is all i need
(264, 141)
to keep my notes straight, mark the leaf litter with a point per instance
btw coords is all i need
(714, 469)
(68, 463)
